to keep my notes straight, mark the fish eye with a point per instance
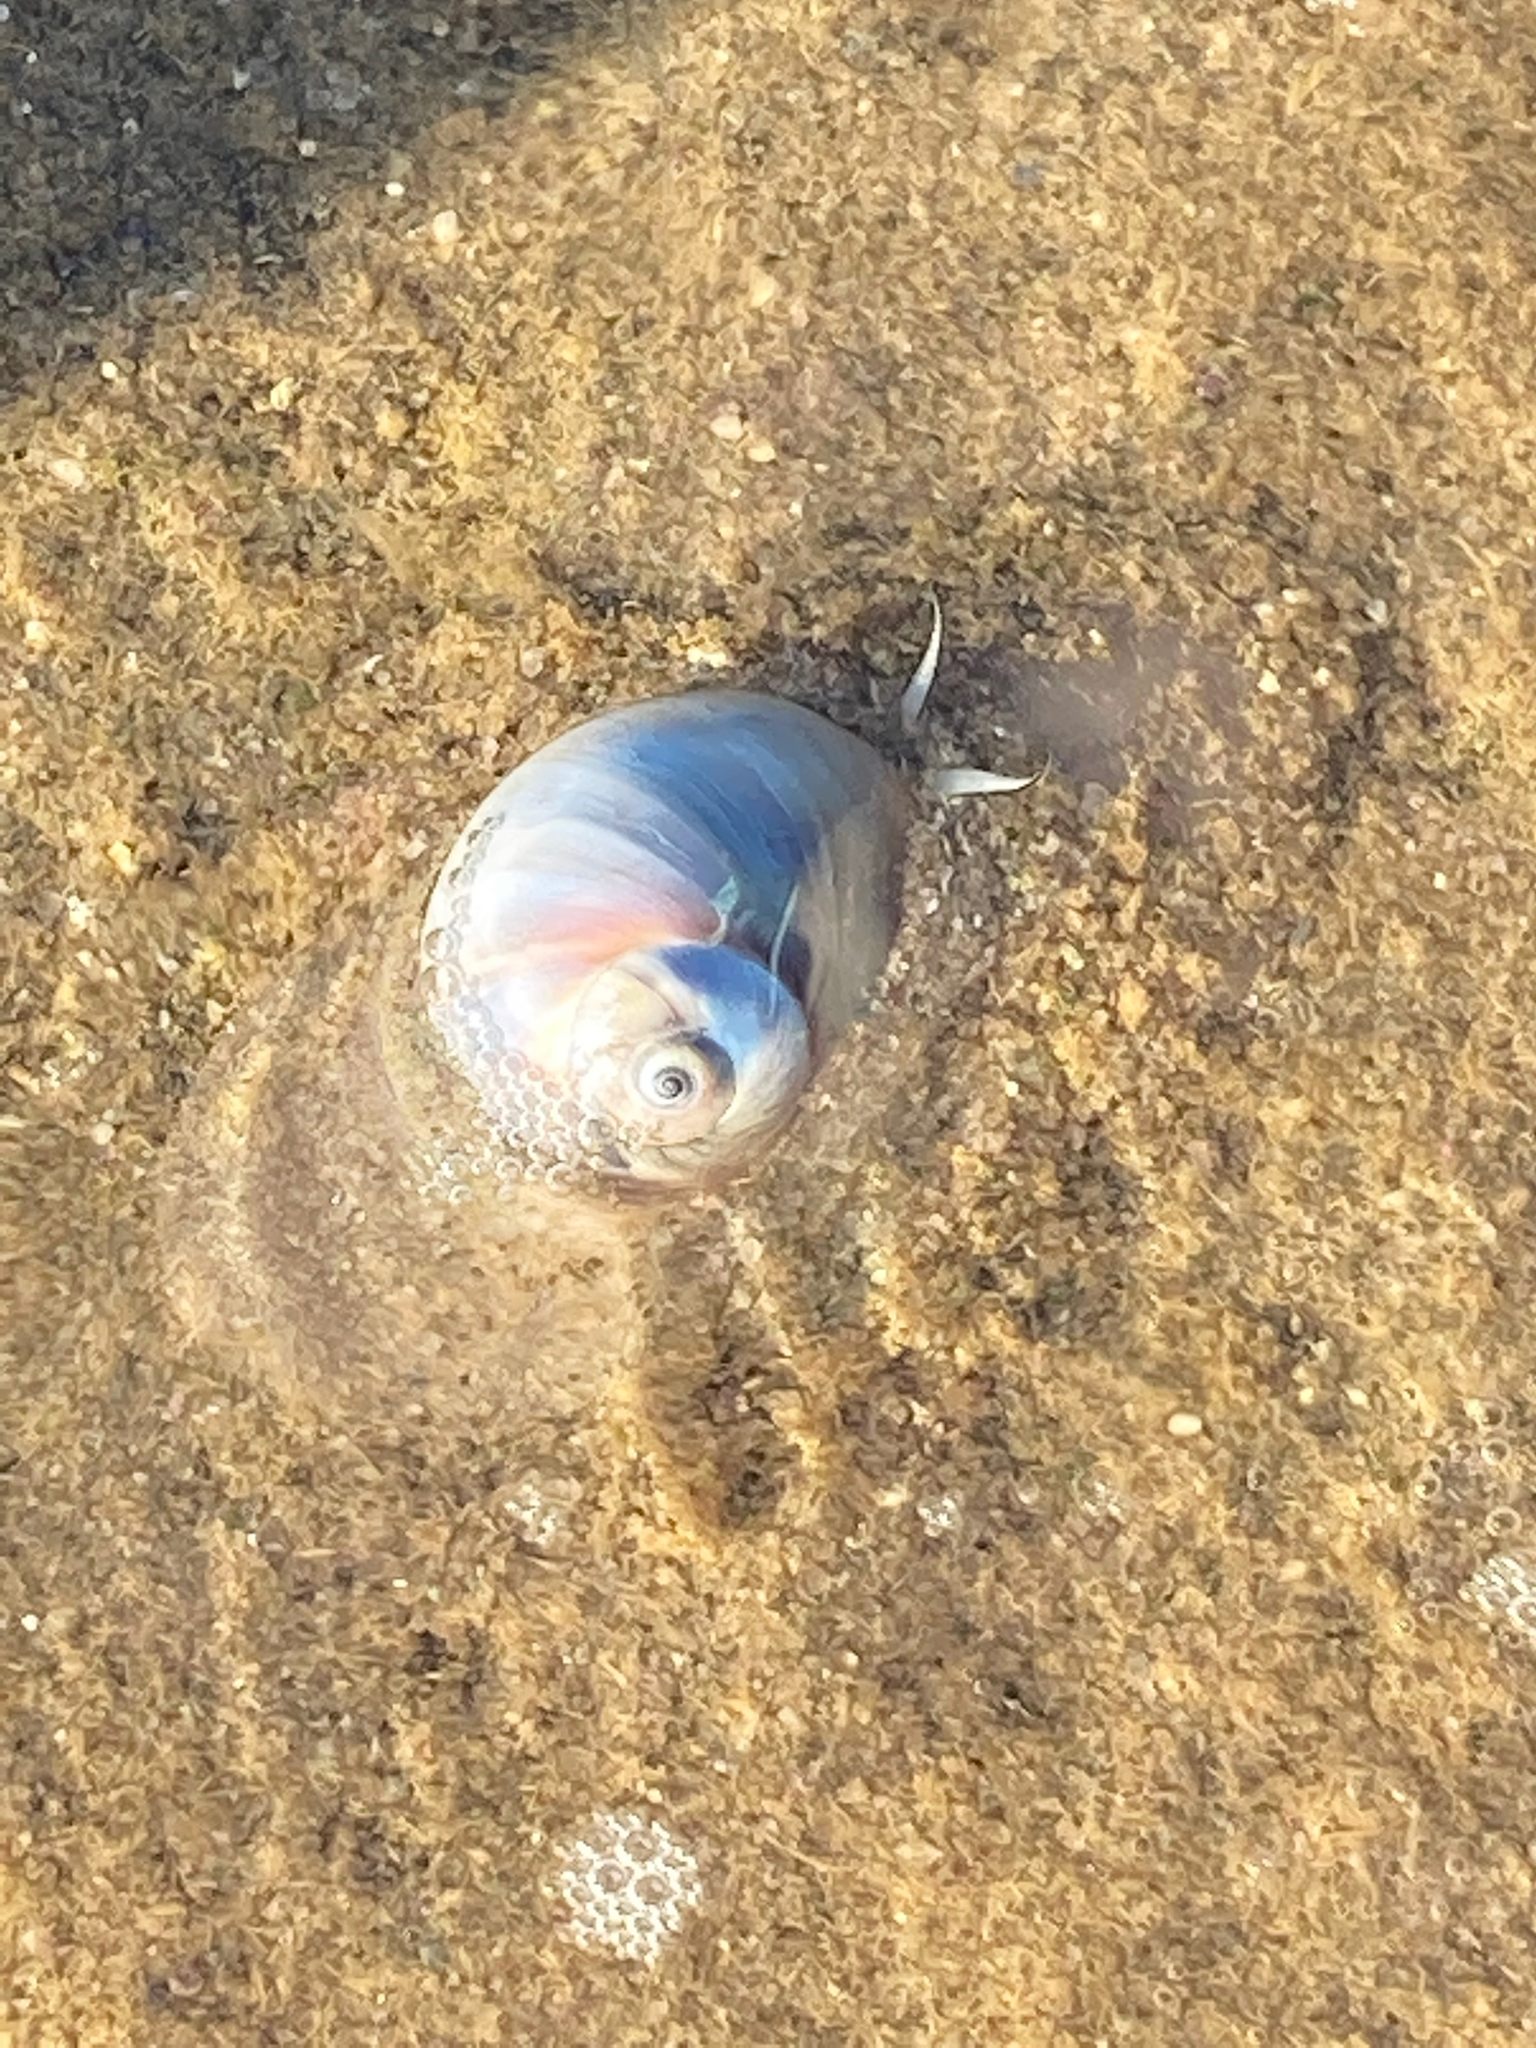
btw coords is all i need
(674, 1076)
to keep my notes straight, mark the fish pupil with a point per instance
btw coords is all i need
(673, 1076)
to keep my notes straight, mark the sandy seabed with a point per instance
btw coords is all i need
(1052, 1560)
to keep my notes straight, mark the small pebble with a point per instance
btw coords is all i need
(728, 425)
(1093, 801)
(445, 228)
(1211, 386)
(37, 635)
(1131, 1004)
(308, 147)
(31, 1624)
(394, 189)
(762, 450)
(1185, 1423)
(530, 663)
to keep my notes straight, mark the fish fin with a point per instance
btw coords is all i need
(915, 696)
(777, 948)
(950, 783)
(724, 904)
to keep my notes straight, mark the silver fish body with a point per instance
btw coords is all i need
(652, 932)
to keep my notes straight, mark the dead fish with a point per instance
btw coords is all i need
(652, 932)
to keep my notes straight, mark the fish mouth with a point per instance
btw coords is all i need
(645, 1172)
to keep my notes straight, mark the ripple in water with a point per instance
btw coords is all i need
(336, 1213)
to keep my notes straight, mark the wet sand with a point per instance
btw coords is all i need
(1051, 1560)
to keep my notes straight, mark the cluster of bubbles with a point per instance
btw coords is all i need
(1473, 1495)
(1503, 1590)
(533, 1128)
(543, 1133)
(628, 1884)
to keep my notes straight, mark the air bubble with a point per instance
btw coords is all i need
(483, 1034)
(441, 982)
(1457, 1863)
(439, 944)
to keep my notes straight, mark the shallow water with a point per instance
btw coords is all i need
(1048, 1559)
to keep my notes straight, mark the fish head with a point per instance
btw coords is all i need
(696, 1054)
